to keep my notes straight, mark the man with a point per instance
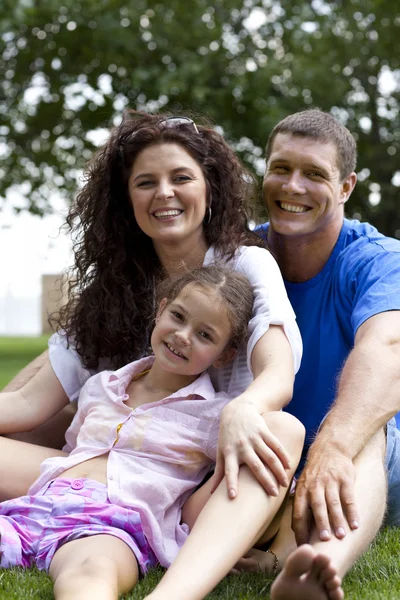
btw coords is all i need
(343, 280)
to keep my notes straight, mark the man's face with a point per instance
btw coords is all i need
(302, 188)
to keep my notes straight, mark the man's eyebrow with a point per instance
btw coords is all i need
(307, 165)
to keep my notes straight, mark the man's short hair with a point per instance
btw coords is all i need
(322, 126)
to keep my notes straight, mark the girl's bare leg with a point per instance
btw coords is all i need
(284, 542)
(20, 466)
(99, 567)
(226, 529)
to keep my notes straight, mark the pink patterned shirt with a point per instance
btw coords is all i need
(157, 453)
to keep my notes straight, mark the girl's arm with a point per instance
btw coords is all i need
(34, 403)
(244, 437)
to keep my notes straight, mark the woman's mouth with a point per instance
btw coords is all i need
(167, 213)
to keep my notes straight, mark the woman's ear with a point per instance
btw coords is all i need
(161, 307)
(227, 355)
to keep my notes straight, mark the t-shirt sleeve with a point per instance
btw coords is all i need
(375, 286)
(271, 304)
(67, 366)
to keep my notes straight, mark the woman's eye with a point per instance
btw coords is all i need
(182, 178)
(145, 183)
(281, 168)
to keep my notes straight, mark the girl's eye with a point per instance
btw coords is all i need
(177, 315)
(205, 335)
(182, 178)
(145, 183)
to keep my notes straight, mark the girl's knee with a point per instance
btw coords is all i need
(288, 430)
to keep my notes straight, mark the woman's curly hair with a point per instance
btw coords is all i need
(111, 286)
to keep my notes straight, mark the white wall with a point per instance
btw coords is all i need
(29, 247)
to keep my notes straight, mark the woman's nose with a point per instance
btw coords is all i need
(164, 190)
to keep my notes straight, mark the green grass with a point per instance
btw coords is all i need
(376, 576)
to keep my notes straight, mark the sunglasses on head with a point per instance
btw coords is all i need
(173, 121)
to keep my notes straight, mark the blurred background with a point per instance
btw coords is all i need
(68, 68)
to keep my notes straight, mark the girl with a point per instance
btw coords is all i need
(143, 438)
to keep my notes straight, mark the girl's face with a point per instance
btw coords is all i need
(168, 194)
(192, 332)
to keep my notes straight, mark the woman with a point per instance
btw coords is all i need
(162, 195)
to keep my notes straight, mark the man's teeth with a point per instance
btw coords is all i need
(167, 213)
(296, 208)
(175, 351)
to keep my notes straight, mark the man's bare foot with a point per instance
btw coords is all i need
(307, 576)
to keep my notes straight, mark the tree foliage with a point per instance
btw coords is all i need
(71, 66)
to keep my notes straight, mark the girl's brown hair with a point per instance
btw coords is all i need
(233, 288)
(111, 286)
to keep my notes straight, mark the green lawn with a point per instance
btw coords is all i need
(375, 576)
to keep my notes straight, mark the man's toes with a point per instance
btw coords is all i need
(328, 573)
(336, 594)
(300, 561)
(333, 583)
(322, 563)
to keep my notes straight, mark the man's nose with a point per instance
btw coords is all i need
(294, 184)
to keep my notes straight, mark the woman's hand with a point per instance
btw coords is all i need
(244, 438)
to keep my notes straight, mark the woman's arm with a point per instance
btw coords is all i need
(244, 437)
(34, 403)
(27, 373)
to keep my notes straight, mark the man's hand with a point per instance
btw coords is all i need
(244, 438)
(325, 493)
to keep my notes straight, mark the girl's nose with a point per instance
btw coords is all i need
(182, 337)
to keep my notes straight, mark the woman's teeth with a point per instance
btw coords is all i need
(161, 214)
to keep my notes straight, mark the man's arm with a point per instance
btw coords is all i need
(368, 397)
(27, 373)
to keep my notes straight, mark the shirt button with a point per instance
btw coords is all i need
(77, 484)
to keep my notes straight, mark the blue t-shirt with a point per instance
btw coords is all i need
(360, 279)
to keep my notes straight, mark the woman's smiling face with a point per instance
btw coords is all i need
(168, 192)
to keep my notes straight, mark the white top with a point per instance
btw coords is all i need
(271, 307)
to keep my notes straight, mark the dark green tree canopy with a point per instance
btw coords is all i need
(69, 68)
